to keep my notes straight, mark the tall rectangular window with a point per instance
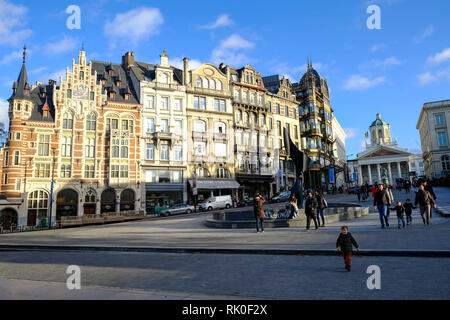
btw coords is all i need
(150, 151)
(178, 153)
(89, 171)
(202, 103)
(66, 147)
(44, 145)
(90, 148)
(439, 119)
(442, 139)
(150, 125)
(179, 127)
(177, 104)
(66, 171)
(164, 152)
(165, 103)
(277, 108)
(18, 184)
(150, 103)
(42, 170)
(16, 158)
(164, 125)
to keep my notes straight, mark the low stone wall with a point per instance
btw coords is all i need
(246, 220)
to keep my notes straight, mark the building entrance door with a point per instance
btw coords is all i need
(89, 209)
(31, 221)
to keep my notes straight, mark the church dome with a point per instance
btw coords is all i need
(379, 122)
(311, 76)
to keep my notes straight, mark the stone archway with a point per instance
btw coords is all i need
(108, 201)
(127, 198)
(8, 218)
(66, 204)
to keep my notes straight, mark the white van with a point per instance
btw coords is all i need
(217, 203)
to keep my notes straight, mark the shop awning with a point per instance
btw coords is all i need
(215, 184)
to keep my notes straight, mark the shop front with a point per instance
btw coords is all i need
(249, 184)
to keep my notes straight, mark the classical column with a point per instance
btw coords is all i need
(390, 173)
(399, 167)
(370, 174)
(379, 174)
(360, 175)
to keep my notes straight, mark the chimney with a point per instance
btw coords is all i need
(128, 60)
(186, 72)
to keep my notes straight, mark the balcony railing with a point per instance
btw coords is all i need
(166, 86)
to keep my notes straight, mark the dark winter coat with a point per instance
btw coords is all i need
(431, 191)
(381, 198)
(408, 208)
(346, 242)
(320, 201)
(424, 198)
(310, 205)
(400, 210)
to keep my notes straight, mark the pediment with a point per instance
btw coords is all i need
(382, 152)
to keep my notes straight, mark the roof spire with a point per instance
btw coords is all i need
(82, 45)
(24, 53)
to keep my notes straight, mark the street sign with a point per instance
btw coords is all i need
(331, 175)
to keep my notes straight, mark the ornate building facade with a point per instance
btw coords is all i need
(76, 144)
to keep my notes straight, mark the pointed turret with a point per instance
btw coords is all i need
(21, 88)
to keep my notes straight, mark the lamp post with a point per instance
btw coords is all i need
(51, 189)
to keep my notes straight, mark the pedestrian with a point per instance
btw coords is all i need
(429, 188)
(310, 207)
(358, 193)
(374, 190)
(400, 214)
(391, 198)
(425, 200)
(321, 205)
(293, 207)
(258, 211)
(408, 211)
(380, 203)
(344, 244)
(363, 192)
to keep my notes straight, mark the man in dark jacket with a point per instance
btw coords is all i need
(310, 207)
(380, 202)
(425, 200)
(429, 188)
(345, 243)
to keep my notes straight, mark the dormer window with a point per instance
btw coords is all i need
(45, 114)
(118, 82)
(112, 94)
(127, 96)
(164, 78)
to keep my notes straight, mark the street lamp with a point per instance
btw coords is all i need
(51, 189)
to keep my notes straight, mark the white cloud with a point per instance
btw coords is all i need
(178, 63)
(65, 44)
(382, 64)
(427, 77)
(222, 21)
(12, 20)
(12, 56)
(377, 47)
(351, 132)
(4, 106)
(427, 33)
(38, 70)
(134, 25)
(439, 57)
(359, 82)
(230, 51)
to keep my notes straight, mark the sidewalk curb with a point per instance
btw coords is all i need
(300, 252)
(442, 213)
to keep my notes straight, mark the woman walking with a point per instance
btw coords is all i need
(258, 211)
(293, 207)
(321, 205)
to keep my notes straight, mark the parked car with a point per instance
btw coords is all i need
(217, 203)
(245, 202)
(177, 209)
(282, 197)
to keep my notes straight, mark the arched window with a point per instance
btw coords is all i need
(199, 82)
(205, 83)
(69, 93)
(108, 201)
(124, 152)
(202, 173)
(445, 163)
(91, 122)
(212, 84)
(38, 203)
(219, 85)
(253, 119)
(262, 120)
(200, 126)
(67, 120)
(238, 115)
(127, 200)
(221, 128)
(115, 152)
(245, 117)
(164, 78)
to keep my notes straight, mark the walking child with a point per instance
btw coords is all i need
(344, 244)
(408, 211)
(400, 214)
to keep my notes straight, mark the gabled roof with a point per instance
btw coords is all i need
(21, 86)
(119, 72)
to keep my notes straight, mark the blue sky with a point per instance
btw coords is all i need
(392, 71)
